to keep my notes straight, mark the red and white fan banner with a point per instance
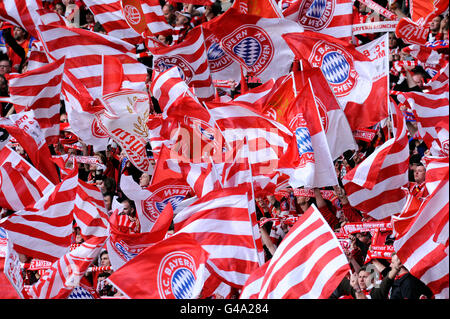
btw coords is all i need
(423, 11)
(125, 120)
(379, 9)
(374, 27)
(134, 15)
(411, 32)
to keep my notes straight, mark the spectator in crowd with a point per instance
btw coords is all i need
(182, 26)
(435, 28)
(5, 65)
(169, 13)
(418, 188)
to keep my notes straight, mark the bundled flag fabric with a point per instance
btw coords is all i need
(315, 168)
(349, 73)
(308, 264)
(173, 268)
(255, 42)
(190, 58)
(22, 185)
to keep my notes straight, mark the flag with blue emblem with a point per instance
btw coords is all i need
(315, 168)
(173, 268)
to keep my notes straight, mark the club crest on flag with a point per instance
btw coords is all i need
(132, 14)
(217, 59)
(96, 129)
(166, 62)
(252, 46)
(316, 15)
(303, 137)
(176, 276)
(154, 205)
(337, 66)
(125, 251)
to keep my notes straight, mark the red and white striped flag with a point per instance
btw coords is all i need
(167, 86)
(22, 185)
(44, 231)
(109, 14)
(374, 186)
(308, 264)
(431, 111)
(190, 58)
(39, 90)
(332, 17)
(423, 248)
(84, 51)
(67, 272)
(436, 168)
(173, 268)
(156, 21)
(220, 223)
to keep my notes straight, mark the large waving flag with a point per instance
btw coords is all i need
(84, 51)
(255, 42)
(423, 245)
(44, 230)
(431, 111)
(350, 74)
(316, 167)
(262, 8)
(173, 268)
(308, 264)
(190, 58)
(374, 186)
(220, 222)
(39, 90)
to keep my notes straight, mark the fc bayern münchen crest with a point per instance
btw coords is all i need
(316, 15)
(217, 58)
(153, 206)
(164, 63)
(251, 45)
(176, 276)
(336, 65)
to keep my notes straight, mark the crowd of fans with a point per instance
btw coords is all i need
(376, 279)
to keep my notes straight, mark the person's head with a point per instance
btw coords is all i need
(393, 41)
(364, 237)
(107, 198)
(364, 278)
(63, 118)
(420, 76)
(3, 86)
(144, 180)
(19, 34)
(169, 13)
(182, 18)
(419, 173)
(89, 17)
(129, 207)
(104, 259)
(435, 24)
(60, 9)
(5, 66)
(78, 237)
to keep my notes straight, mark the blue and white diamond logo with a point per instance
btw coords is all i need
(335, 67)
(303, 141)
(249, 50)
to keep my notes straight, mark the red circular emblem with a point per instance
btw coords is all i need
(252, 46)
(97, 130)
(176, 276)
(153, 206)
(132, 14)
(336, 65)
(316, 15)
(164, 63)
